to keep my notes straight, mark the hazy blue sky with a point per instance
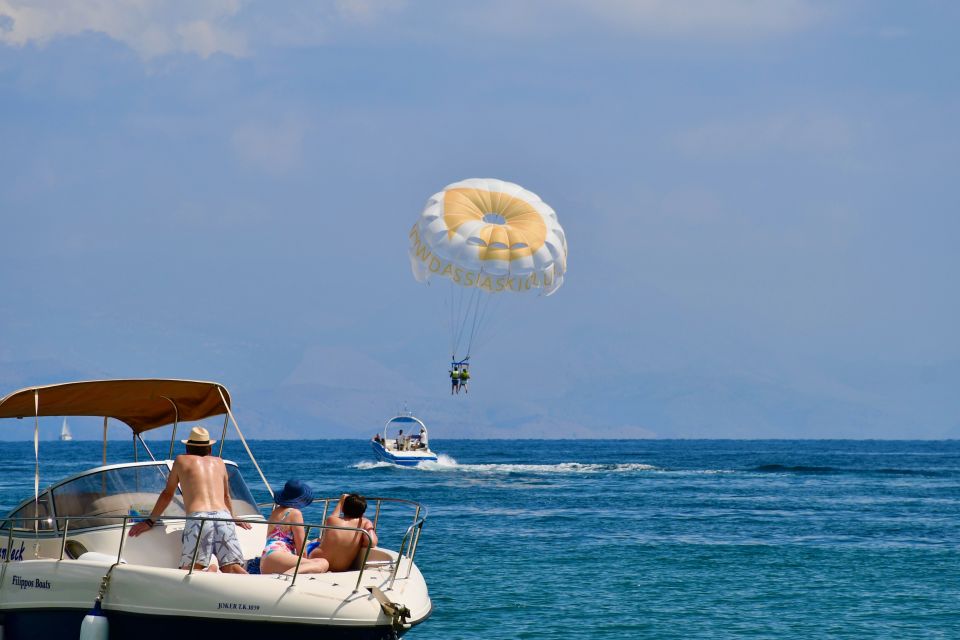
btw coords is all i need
(761, 201)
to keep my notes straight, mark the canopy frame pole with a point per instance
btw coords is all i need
(36, 473)
(176, 420)
(135, 447)
(104, 440)
(150, 453)
(223, 435)
(244, 441)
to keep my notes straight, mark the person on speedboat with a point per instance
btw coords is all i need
(284, 541)
(400, 441)
(419, 441)
(423, 439)
(206, 493)
(339, 548)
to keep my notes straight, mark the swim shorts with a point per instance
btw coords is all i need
(217, 538)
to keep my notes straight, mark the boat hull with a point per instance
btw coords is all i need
(403, 458)
(49, 598)
(56, 624)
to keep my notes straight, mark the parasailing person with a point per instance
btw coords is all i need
(486, 238)
(454, 379)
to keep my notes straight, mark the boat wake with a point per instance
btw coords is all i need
(446, 463)
(366, 464)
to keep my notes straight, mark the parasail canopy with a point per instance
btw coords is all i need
(491, 235)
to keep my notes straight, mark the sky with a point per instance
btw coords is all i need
(760, 200)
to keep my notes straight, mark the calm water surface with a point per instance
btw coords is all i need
(646, 538)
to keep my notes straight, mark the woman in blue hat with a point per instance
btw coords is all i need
(284, 541)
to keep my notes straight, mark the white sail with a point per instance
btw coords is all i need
(65, 431)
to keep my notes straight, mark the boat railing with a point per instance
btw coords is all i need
(411, 537)
(406, 551)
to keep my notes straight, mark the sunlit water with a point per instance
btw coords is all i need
(646, 538)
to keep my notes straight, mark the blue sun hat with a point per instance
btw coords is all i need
(296, 494)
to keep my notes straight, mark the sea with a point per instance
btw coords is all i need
(613, 539)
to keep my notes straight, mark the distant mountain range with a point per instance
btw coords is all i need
(918, 402)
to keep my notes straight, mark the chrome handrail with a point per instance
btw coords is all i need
(410, 539)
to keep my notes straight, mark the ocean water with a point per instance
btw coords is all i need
(645, 538)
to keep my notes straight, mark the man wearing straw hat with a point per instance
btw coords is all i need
(205, 488)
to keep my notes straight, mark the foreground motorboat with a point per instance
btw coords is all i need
(405, 449)
(66, 547)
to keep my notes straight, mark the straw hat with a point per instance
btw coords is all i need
(199, 437)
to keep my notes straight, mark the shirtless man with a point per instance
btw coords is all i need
(206, 493)
(340, 548)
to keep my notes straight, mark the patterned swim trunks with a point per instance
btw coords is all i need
(218, 538)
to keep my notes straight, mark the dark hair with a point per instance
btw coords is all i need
(354, 505)
(199, 449)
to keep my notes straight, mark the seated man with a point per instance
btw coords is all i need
(340, 548)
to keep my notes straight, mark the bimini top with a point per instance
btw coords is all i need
(141, 404)
(407, 418)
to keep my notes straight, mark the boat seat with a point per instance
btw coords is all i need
(84, 508)
(377, 558)
(95, 556)
(120, 504)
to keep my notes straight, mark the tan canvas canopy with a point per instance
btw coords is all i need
(141, 404)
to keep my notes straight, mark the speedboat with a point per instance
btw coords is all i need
(406, 449)
(65, 549)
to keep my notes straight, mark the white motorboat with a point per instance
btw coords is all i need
(66, 547)
(406, 449)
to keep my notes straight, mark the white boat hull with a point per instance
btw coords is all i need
(403, 458)
(48, 598)
(68, 546)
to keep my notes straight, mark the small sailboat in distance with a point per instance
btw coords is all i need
(65, 434)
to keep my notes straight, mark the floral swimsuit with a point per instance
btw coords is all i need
(279, 540)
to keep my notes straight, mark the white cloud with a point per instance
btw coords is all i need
(155, 28)
(150, 27)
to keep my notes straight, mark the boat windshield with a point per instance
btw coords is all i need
(102, 497)
(243, 501)
(121, 491)
(22, 518)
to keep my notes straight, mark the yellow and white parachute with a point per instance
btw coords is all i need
(487, 236)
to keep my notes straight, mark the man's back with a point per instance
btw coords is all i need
(340, 548)
(203, 481)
